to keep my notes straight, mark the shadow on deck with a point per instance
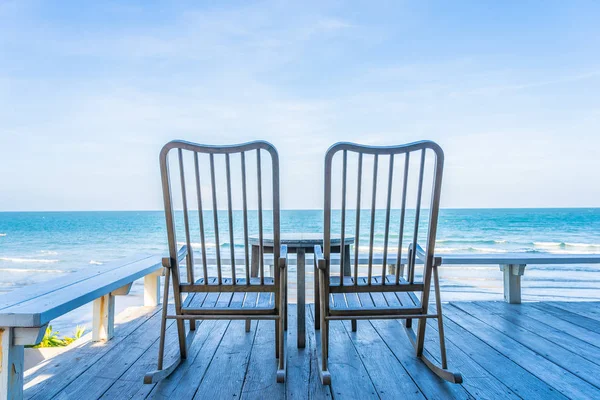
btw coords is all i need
(532, 350)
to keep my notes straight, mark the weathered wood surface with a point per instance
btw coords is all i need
(39, 304)
(532, 350)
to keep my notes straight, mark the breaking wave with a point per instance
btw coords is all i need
(28, 260)
(22, 270)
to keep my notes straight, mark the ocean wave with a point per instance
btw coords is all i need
(49, 252)
(573, 251)
(487, 250)
(548, 244)
(566, 245)
(22, 270)
(478, 241)
(95, 262)
(197, 245)
(28, 260)
(446, 250)
(2, 234)
(594, 245)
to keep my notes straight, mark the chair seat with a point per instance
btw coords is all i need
(229, 299)
(370, 300)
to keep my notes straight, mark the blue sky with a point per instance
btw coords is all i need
(89, 92)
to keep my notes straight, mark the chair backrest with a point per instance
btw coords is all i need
(417, 163)
(247, 189)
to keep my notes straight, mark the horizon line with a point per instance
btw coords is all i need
(309, 209)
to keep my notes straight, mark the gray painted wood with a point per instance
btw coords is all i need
(591, 352)
(517, 378)
(303, 364)
(59, 372)
(381, 364)
(559, 378)
(370, 363)
(572, 318)
(185, 386)
(224, 378)
(477, 381)
(45, 306)
(567, 359)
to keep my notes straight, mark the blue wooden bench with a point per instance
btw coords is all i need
(26, 312)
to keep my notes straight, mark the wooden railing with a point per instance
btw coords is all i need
(512, 265)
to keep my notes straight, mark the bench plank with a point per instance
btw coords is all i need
(15, 297)
(44, 308)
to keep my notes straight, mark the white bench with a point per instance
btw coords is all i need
(511, 264)
(26, 312)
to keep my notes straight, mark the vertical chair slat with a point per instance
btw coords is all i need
(230, 216)
(417, 216)
(387, 218)
(215, 217)
(186, 223)
(402, 215)
(357, 229)
(343, 231)
(260, 219)
(245, 212)
(372, 233)
(201, 219)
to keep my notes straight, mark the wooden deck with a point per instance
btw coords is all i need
(532, 350)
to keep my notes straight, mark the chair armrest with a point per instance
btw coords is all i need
(181, 254)
(420, 253)
(283, 256)
(319, 259)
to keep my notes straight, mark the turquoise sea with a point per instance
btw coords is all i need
(38, 246)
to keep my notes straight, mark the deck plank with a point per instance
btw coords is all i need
(477, 381)
(528, 311)
(225, 375)
(388, 376)
(518, 379)
(569, 316)
(431, 386)
(129, 384)
(260, 381)
(545, 330)
(183, 385)
(567, 359)
(533, 350)
(559, 378)
(583, 308)
(51, 376)
(349, 379)
(93, 382)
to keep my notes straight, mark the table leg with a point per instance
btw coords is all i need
(301, 293)
(254, 261)
(347, 271)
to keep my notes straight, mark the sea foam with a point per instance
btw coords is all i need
(28, 260)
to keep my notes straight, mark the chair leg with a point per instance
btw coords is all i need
(419, 340)
(281, 344)
(162, 372)
(324, 342)
(354, 325)
(324, 373)
(317, 300)
(248, 325)
(277, 339)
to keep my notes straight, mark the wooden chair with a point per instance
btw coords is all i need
(227, 295)
(381, 295)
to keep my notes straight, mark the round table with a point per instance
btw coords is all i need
(300, 243)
